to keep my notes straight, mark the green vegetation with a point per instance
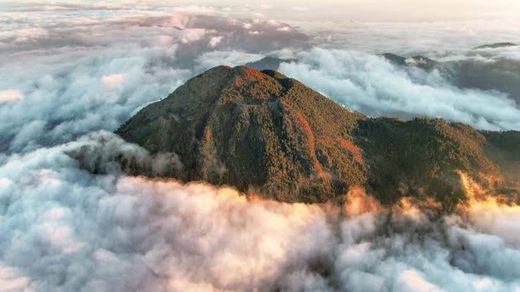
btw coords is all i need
(504, 149)
(421, 158)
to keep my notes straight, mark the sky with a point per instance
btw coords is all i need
(71, 72)
(351, 10)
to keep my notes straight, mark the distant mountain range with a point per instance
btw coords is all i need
(415, 61)
(496, 46)
(495, 74)
(268, 134)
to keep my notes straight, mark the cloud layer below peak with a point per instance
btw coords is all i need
(71, 230)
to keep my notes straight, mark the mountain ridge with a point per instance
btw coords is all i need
(495, 45)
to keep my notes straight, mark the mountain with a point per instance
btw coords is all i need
(268, 63)
(257, 131)
(495, 46)
(268, 134)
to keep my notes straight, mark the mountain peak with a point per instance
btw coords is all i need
(255, 130)
(241, 71)
(265, 133)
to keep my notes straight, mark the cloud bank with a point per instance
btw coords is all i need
(372, 85)
(64, 229)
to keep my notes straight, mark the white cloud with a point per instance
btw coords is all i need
(113, 80)
(229, 58)
(197, 9)
(11, 280)
(284, 28)
(24, 34)
(192, 35)
(109, 232)
(214, 41)
(10, 95)
(178, 20)
(68, 96)
(412, 281)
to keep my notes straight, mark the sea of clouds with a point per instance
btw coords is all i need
(72, 73)
(65, 229)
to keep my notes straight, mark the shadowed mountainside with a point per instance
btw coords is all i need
(263, 132)
(501, 74)
(495, 74)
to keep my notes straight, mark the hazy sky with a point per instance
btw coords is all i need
(356, 10)
(401, 10)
